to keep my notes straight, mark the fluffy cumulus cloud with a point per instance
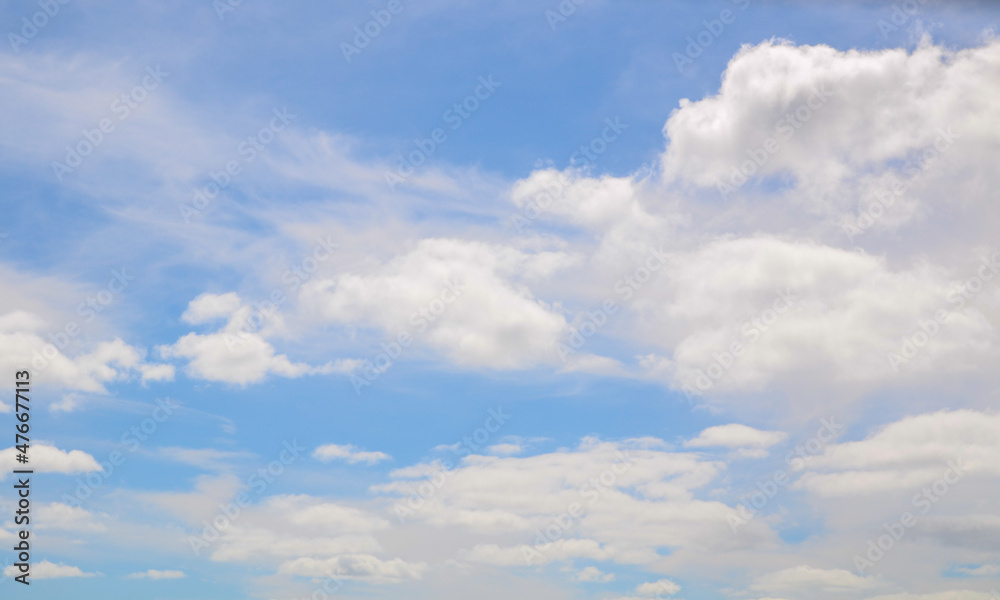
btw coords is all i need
(27, 341)
(439, 293)
(761, 311)
(603, 501)
(295, 535)
(799, 287)
(908, 454)
(239, 352)
(837, 126)
(46, 458)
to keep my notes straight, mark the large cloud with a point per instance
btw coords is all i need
(469, 300)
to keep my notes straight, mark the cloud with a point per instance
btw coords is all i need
(505, 449)
(837, 136)
(630, 500)
(239, 352)
(349, 454)
(49, 459)
(310, 537)
(658, 588)
(439, 293)
(593, 574)
(907, 454)
(355, 566)
(56, 515)
(756, 313)
(156, 575)
(980, 571)
(948, 595)
(49, 570)
(22, 345)
(805, 578)
(735, 435)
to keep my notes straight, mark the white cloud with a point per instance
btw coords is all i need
(48, 570)
(239, 352)
(49, 459)
(505, 449)
(805, 578)
(22, 345)
(64, 517)
(949, 595)
(906, 454)
(735, 435)
(593, 574)
(349, 454)
(980, 571)
(439, 293)
(643, 499)
(355, 566)
(658, 588)
(156, 575)
(806, 315)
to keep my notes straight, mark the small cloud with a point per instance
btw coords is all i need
(49, 570)
(980, 571)
(155, 574)
(594, 574)
(505, 449)
(69, 403)
(735, 435)
(348, 453)
(663, 587)
(49, 459)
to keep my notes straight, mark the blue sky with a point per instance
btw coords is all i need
(822, 340)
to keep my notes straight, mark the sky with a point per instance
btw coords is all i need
(579, 300)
